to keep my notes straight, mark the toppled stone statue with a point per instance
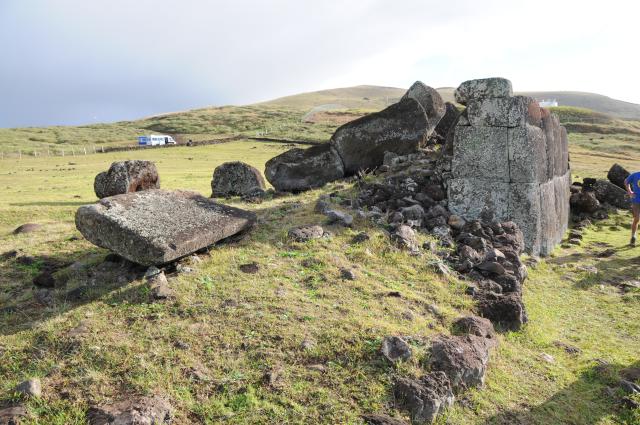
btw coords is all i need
(236, 179)
(302, 169)
(126, 176)
(361, 144)
(510, 162)
(155, 227)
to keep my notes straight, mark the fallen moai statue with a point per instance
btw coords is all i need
(236, 179)
(361, 144)
(126, 176)
(510, 162)
(155, 227)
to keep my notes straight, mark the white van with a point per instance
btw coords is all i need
(155, 139)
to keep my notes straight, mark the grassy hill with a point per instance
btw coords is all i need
(293, 343)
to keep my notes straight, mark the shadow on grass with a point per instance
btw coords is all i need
(595, 395)
(103, 276)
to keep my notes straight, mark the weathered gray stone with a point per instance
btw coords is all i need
(12, 415)
(527, 154)
(395, 349)
(236, 179)
(425, 398)
(513, 111)
(474, 325)
(126, 176)
(462, 358)
(431, 102)
(481, 152)
(133, 411)
(303, 169)
(525, 209)
(401, 128)
(27, 228)
(448, 121)
(306, 233)
(553, 134)
(30, 388)
(156, 226)
(482, 89)
(479, 198)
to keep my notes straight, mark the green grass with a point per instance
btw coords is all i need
(241, 327)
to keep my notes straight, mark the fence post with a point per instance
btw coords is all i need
(73, 152)
(102, 148)
(62, 152)
(20, 154)
(85, 150)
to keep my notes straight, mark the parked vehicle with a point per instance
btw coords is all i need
(155, 140)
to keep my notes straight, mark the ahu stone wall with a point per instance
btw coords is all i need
(510, 162)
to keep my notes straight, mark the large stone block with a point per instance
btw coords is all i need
(362, 143)
(481, 152)
(236, 179)
(527, 154)
(478, 198)
(126, 176)
(525, 209)
(551, 128)
(513, 111)
(156, 226)
(564, 149)
(563, 193)
(549, 218)
(482, 89)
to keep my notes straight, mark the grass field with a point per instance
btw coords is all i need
(295, 343)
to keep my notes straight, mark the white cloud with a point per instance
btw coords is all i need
(70, 60)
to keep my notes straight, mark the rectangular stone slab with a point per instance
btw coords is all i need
(477, 198)
(155, 227)
(527, 154)
(500, 112)
(481, 152)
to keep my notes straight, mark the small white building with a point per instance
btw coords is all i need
(548, 103)
(155, 140)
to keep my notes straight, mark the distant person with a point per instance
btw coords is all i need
(633, 189)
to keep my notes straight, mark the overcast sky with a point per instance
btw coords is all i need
(85, 61)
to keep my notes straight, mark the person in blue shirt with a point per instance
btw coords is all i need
(633, 189)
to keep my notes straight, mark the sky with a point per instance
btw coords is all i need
(68, 62)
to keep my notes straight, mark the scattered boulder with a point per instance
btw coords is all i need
(425, 398)
(506, 310)
(27, 228)
(401, 128)
(617, 175)
(360, 237)
(30, 388)
(611, 194)
(584, 202)
(405, 238)
(395, 349)
(348, 274)
(338, 217)
(236, 179)
(126, 176)
(306, 233)
(302, 169)
(462, 358)
(155, 227)
(135, 411)
(474, 325)
(159, 286)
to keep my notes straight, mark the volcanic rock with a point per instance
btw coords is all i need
(425, 398)
(617, 175)
(302, 169)
(236, 179)
(401, 128)
(126, 176)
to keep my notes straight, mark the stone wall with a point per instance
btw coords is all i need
(510, 162)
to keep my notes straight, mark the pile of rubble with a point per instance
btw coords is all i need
(594, 198)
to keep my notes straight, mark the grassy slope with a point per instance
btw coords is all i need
(129, 347)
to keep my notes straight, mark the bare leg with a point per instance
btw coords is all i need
(636, 218)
